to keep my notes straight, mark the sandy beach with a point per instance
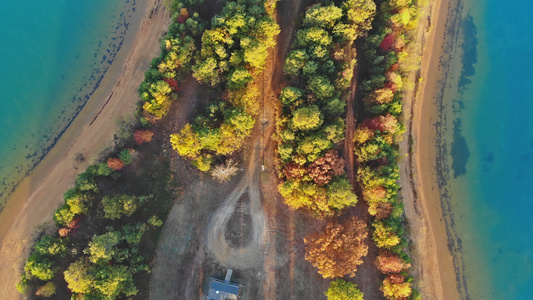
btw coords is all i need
(40, 193)
(433, 262)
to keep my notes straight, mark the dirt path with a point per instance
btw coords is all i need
(349, 155)
(246, 256)
(210, 229)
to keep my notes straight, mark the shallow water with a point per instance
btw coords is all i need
(489, 134)
(53, 56)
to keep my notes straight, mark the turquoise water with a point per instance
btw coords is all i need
(490, 118)
(53, 56)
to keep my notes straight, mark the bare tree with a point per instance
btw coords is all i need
(225, 171)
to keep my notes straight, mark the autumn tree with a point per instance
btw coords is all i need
(390, 263)
(324, 168)
(338, 250)
(396, 291)
(343, 290)
(186, 142)
(115, 164)
(143, 135)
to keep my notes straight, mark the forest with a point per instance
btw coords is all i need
(106, 231)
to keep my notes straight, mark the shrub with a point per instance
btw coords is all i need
(343, 290)
(396, 291)
(143, 136)
(47, 290)
(115, 163)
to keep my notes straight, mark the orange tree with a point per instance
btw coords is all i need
(338, 250)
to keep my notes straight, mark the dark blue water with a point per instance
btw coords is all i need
(53, 55)
(492, 149)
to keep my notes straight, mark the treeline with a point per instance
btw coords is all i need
(320, 68)
(94, 249)
(160, 86)
(107, 229)
(233, 54)
(390, 55)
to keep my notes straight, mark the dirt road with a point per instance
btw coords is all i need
(246, 256)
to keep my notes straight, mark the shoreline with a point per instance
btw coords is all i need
(434, 264)
(39, 194)
(116, 59)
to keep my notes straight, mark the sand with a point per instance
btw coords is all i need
(433, 266)
(40, 193)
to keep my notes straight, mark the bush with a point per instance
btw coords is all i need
(343, 290)
(47, 290)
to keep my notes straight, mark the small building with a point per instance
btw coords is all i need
(224, 289)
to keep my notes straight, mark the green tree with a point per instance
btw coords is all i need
(155, 221)
(40, 267)
(122, 205)
(321, 87)
(78, 276)
(340, 194)
(111, 281)
(314, 36)
(47, 290)
(49, 246)
(295, 61)
(102, 247)
(63, 216)
(385, 235)
(307, 118)
(360, 13)
(343, 290)
(125, 156)
(206, 71)
(290, 94)
(322, 16)
(239, 78)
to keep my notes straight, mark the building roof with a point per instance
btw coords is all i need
(223, 290)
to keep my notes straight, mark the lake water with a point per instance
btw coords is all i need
(487, 142)
(53, 56)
